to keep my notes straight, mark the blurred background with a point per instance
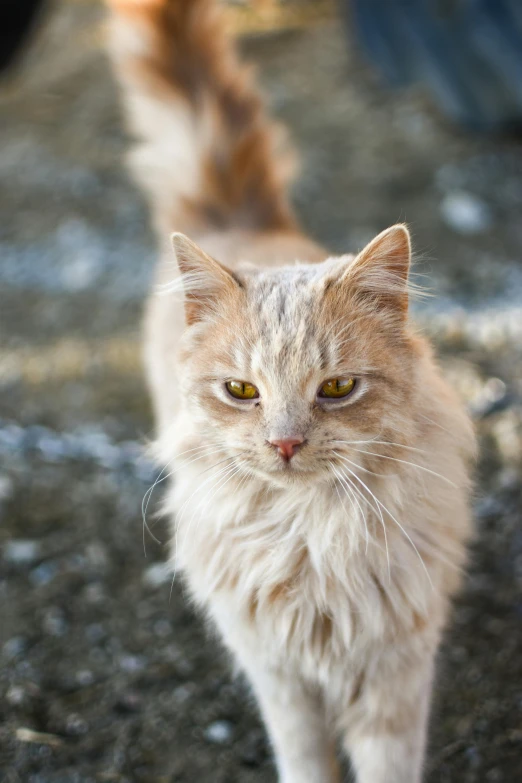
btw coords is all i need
(105, 674)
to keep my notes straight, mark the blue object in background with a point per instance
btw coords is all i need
(468, 53)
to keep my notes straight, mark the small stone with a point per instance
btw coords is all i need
(84, 678)
(54, 622)
(132, 663)
(97, 557)
(15, 696)
(21, 551)
(51, 447)
(14, 647)
(94, 594)
(182, 693)
(488, 507)
(507, 432)
(220, 732)
(6, 487)
(465, 213)
(75, 725)
(24, 734)
(11, 438)
(156, 575)
(508, 478)
(492, 398)
(43, 574)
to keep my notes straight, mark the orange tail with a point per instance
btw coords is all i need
(206, 155)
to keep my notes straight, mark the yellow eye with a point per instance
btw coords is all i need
(241, 390)
(337, 387)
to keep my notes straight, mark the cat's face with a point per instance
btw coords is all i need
(293, 371)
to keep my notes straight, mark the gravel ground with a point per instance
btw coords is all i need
(106, 675)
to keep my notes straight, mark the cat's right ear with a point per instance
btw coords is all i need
(206, 282)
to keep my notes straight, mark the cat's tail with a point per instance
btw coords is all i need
(207, 155)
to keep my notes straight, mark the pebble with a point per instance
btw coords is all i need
(220, 732)
(43, 574)
(488, 507)
(156, 575)
(94, 594)
(75, 725)
(6, 487)
(54, 622)
(84, 678)
(492, 398)
(15, 696)
(507, 432)
(21, 551)
(182, 693)
(132, 663)
(97, 557)
(14, 647)
(465, 213)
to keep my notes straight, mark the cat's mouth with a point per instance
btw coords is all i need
(290, 473)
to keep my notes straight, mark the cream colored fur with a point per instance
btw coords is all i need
(328, 577)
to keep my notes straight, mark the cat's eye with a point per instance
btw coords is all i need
(336, 388)
(242, 390)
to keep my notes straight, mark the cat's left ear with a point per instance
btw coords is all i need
(380, 271)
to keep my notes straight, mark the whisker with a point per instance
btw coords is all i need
(353, 498)
(413, 465)
(148, 494)
(379, 514)
(435, 423)
(384, 443)
(396, 522)
(365, 470)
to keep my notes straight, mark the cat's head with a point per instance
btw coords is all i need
(292, 370)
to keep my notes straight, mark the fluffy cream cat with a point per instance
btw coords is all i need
(320, 495)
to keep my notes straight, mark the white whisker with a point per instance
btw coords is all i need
(396, 522)
(383, 443)
(148, 494)
(413, 465)
(353, 498)
(365, 470)
(379, 514)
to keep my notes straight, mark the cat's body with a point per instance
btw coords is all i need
(323, 535)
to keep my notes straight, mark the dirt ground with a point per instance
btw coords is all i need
(106, 674)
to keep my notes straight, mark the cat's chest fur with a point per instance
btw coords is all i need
(291, 571)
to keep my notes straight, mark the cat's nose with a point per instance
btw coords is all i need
(287, 446)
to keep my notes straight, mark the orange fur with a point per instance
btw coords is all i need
(186, 58)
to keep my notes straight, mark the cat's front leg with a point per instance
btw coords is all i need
(295, 720)
(386, 737)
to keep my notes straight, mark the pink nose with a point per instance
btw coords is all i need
(287, 446)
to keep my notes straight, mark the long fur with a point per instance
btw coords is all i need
(207, 154)
(330, 577)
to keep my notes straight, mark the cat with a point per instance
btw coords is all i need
(320, 463)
